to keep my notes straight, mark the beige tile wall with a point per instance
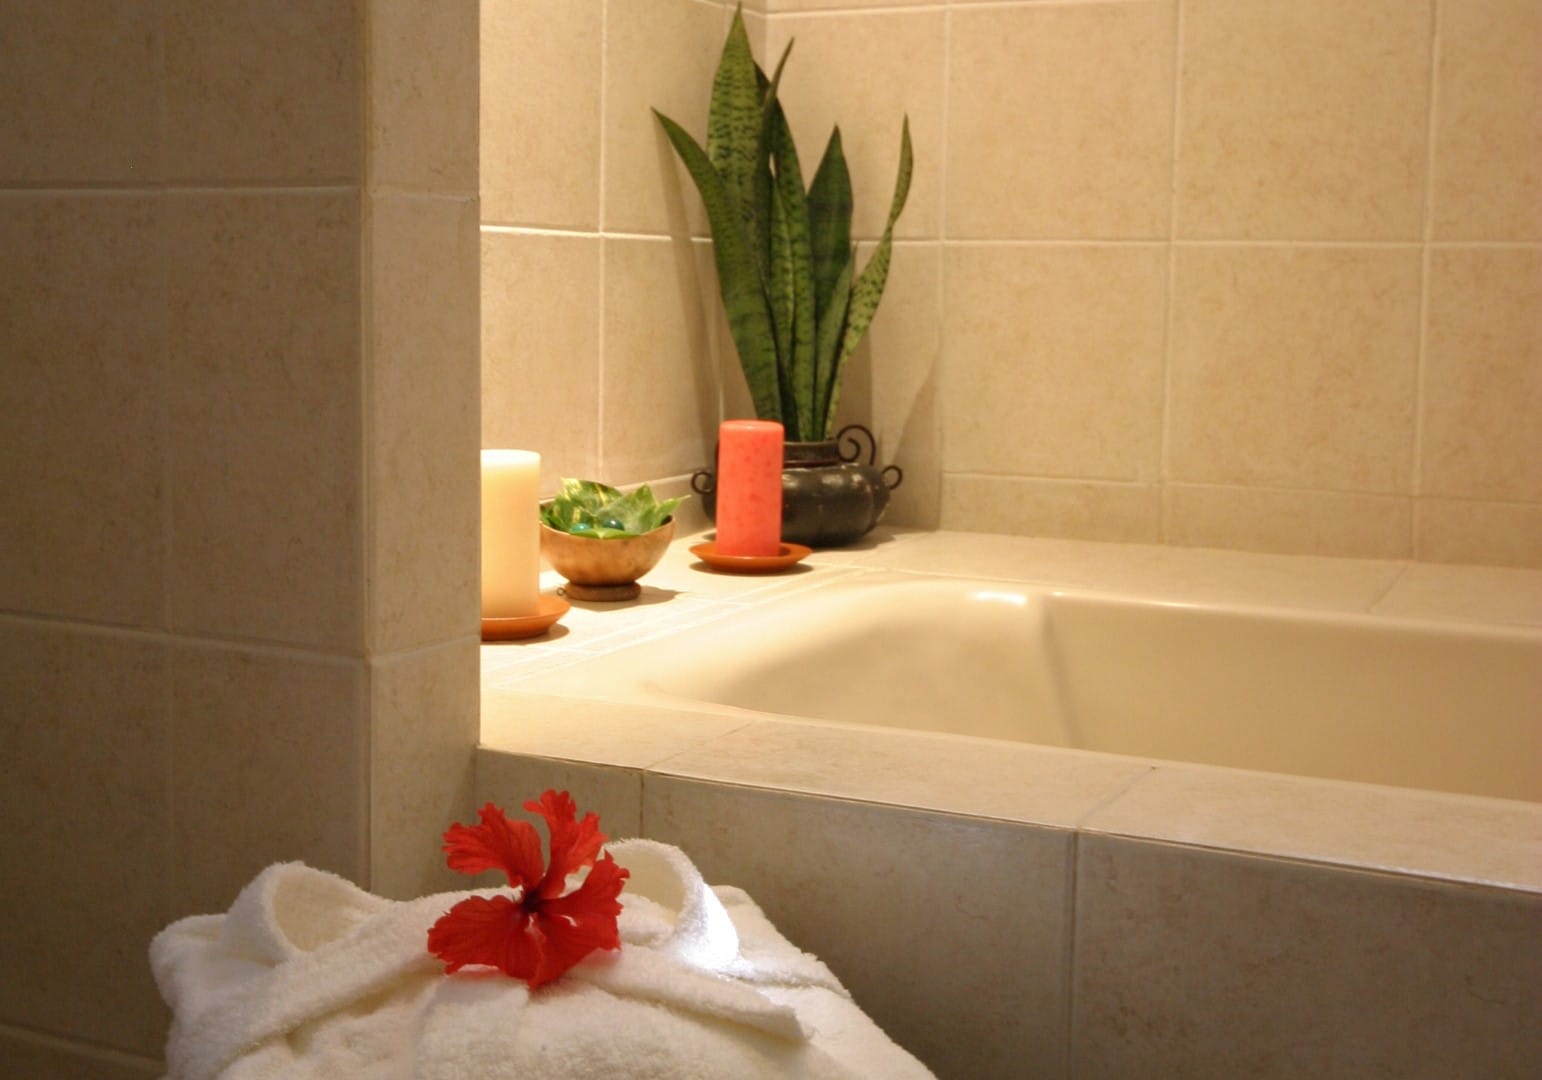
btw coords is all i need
(238, 496)
(1211, 273)
(1176, 944)
(599, 311)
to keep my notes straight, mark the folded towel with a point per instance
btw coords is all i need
(309, 976)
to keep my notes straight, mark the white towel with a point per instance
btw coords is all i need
(310, 976)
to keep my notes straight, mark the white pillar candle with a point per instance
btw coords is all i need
(511, 534)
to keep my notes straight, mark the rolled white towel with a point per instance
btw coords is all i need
(309, 976)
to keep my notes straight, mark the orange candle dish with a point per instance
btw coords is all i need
(749, 487)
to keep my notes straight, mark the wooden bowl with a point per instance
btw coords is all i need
(604, 569)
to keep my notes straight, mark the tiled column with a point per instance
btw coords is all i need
(237, 476)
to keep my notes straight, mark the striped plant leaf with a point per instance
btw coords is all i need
(832, 327)
(796, 306)
(764, 181)
(780, 289)
(798, 364)
(829, 217)
(734, 123)
(739, 279)
(867, 290)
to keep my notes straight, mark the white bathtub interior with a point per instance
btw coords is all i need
(1412, 703)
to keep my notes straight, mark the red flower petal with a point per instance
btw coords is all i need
(486, 930)
(574, 844)
(542, 934)
(577, 924)
(497, 844)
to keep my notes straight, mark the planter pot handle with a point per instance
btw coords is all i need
(829, 496)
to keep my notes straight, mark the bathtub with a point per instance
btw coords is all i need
(1379, 700)
(1062, 809)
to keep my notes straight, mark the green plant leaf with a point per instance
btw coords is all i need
(780, 289)
(832, 328)
(792, 206)
(734, 124)
(764, 181)
(590, 508)
(867, 290)
(829, 216)
(739, 278)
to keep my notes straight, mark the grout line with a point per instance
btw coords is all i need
(942, 360)
(163, 274)
(171, 887)
(186, 639)
(330, 185)
(836, 10)
(598, 445)
(1164, 451)
(365, 628)
(79, 1047)
(1056, 242)
(1114, 796)
(1404, 566)
(1426, 265)
(1262, 244)
(1068, 967)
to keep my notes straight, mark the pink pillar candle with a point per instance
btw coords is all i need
(749, 487)
(511, 533)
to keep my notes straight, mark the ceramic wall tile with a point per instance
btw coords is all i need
(1483, 375)
(659, 54)
(922, 770)
(1060, 121)
(541, 349)
(1491, 594)
(265, 408)
(257, 93)
(866, 73)
(659, 384)
(422, 726)
(1294, 367)
(37, 1059)
(1199, 963)
(1303, 122)
(1075, 509)
(79, 91)
(1487, 182)
(978, 987)
(1289, 522)
(540, 112)
(901, 364)
(87, 848)
(423, 92)
(1463, 531)
(80, 389)
(1357, 825)
(424, 428)
(269, 763)
(734, 400)
(780, 7)
(1054, 360)
(508, 780)
(635, 737)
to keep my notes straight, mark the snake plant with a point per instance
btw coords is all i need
(797, 306)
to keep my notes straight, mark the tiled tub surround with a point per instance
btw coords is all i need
(1250, 275)
(1008, 909)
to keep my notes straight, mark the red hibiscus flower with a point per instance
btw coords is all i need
(539, 934)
